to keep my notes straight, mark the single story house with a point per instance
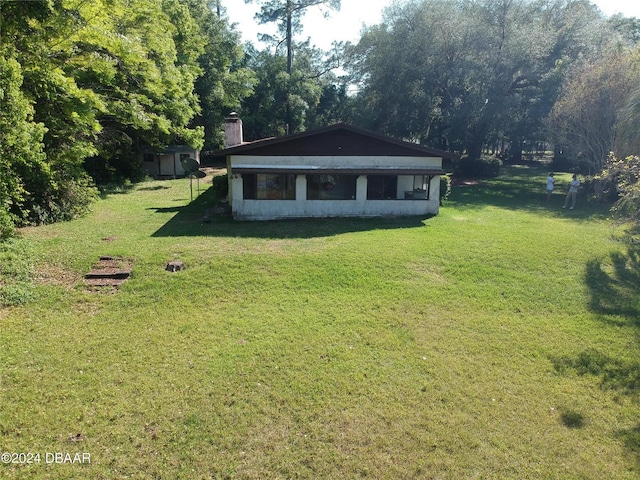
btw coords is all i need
(337, 171)
(167, 163)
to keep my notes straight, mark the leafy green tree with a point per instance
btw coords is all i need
(281, 102)
(140, 58)
(86, 85)
(44, 111)
(464, 75)
(21, 147)
(287, 14)
(224, 82)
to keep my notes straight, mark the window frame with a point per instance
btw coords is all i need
(327, 186)
(261, 186)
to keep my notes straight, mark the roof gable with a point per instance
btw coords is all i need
(336, 140)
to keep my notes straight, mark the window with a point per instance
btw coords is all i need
(263, 186)
(331, 187)
(382, 187)
(415, 187)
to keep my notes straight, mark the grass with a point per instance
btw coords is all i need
(496, 340)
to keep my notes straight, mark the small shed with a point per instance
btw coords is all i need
(166, 163)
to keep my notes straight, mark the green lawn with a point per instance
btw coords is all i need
(498, 340)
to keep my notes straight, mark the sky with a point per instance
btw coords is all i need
(347, 24)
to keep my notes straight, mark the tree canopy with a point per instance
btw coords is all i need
(87, 85)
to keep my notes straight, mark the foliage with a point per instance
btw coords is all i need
(278, 96)
(586, 118)
(86, 86)
(22, 161)
(220, 186)
(445, 187)
(288, 16)
(627, 138)
(224, 81)
(464, 75)
(625, 175)
(298, 86)
(483, 167)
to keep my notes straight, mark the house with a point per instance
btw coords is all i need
(167, 163)
(337, 171)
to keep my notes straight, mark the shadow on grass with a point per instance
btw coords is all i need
(196, 219)
(523, 187)
(614, 286)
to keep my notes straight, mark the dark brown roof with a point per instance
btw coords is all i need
(336, 140)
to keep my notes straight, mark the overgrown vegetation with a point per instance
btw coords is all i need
(623, 178)
(88, 86)
(500, 340)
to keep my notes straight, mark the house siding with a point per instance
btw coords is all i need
(244, 209)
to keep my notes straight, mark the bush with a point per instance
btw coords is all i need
(484, 167)
(71, 199)
(220, 186)
(7, 227)
(602, 190)
(445, 187)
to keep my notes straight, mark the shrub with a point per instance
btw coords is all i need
(7, 227)
(445, 187)
(220, 187)
(603, 190)
(484, 167)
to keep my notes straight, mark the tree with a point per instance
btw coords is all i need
(288, 16)
(224, 81)
(21, 147)
(86, 85)
(49, 122)
(462, 75)
(278, 96)
(586, 118)
(627, 138)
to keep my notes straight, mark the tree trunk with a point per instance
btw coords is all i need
(289, 63)
(474, 149)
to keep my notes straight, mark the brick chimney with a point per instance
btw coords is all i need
(233, 130)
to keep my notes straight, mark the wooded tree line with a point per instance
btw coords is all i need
(85, 85)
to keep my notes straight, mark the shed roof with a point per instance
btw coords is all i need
(336, 140)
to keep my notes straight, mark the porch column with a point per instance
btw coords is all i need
(301, 187)
(236, 191)
(361, 188)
